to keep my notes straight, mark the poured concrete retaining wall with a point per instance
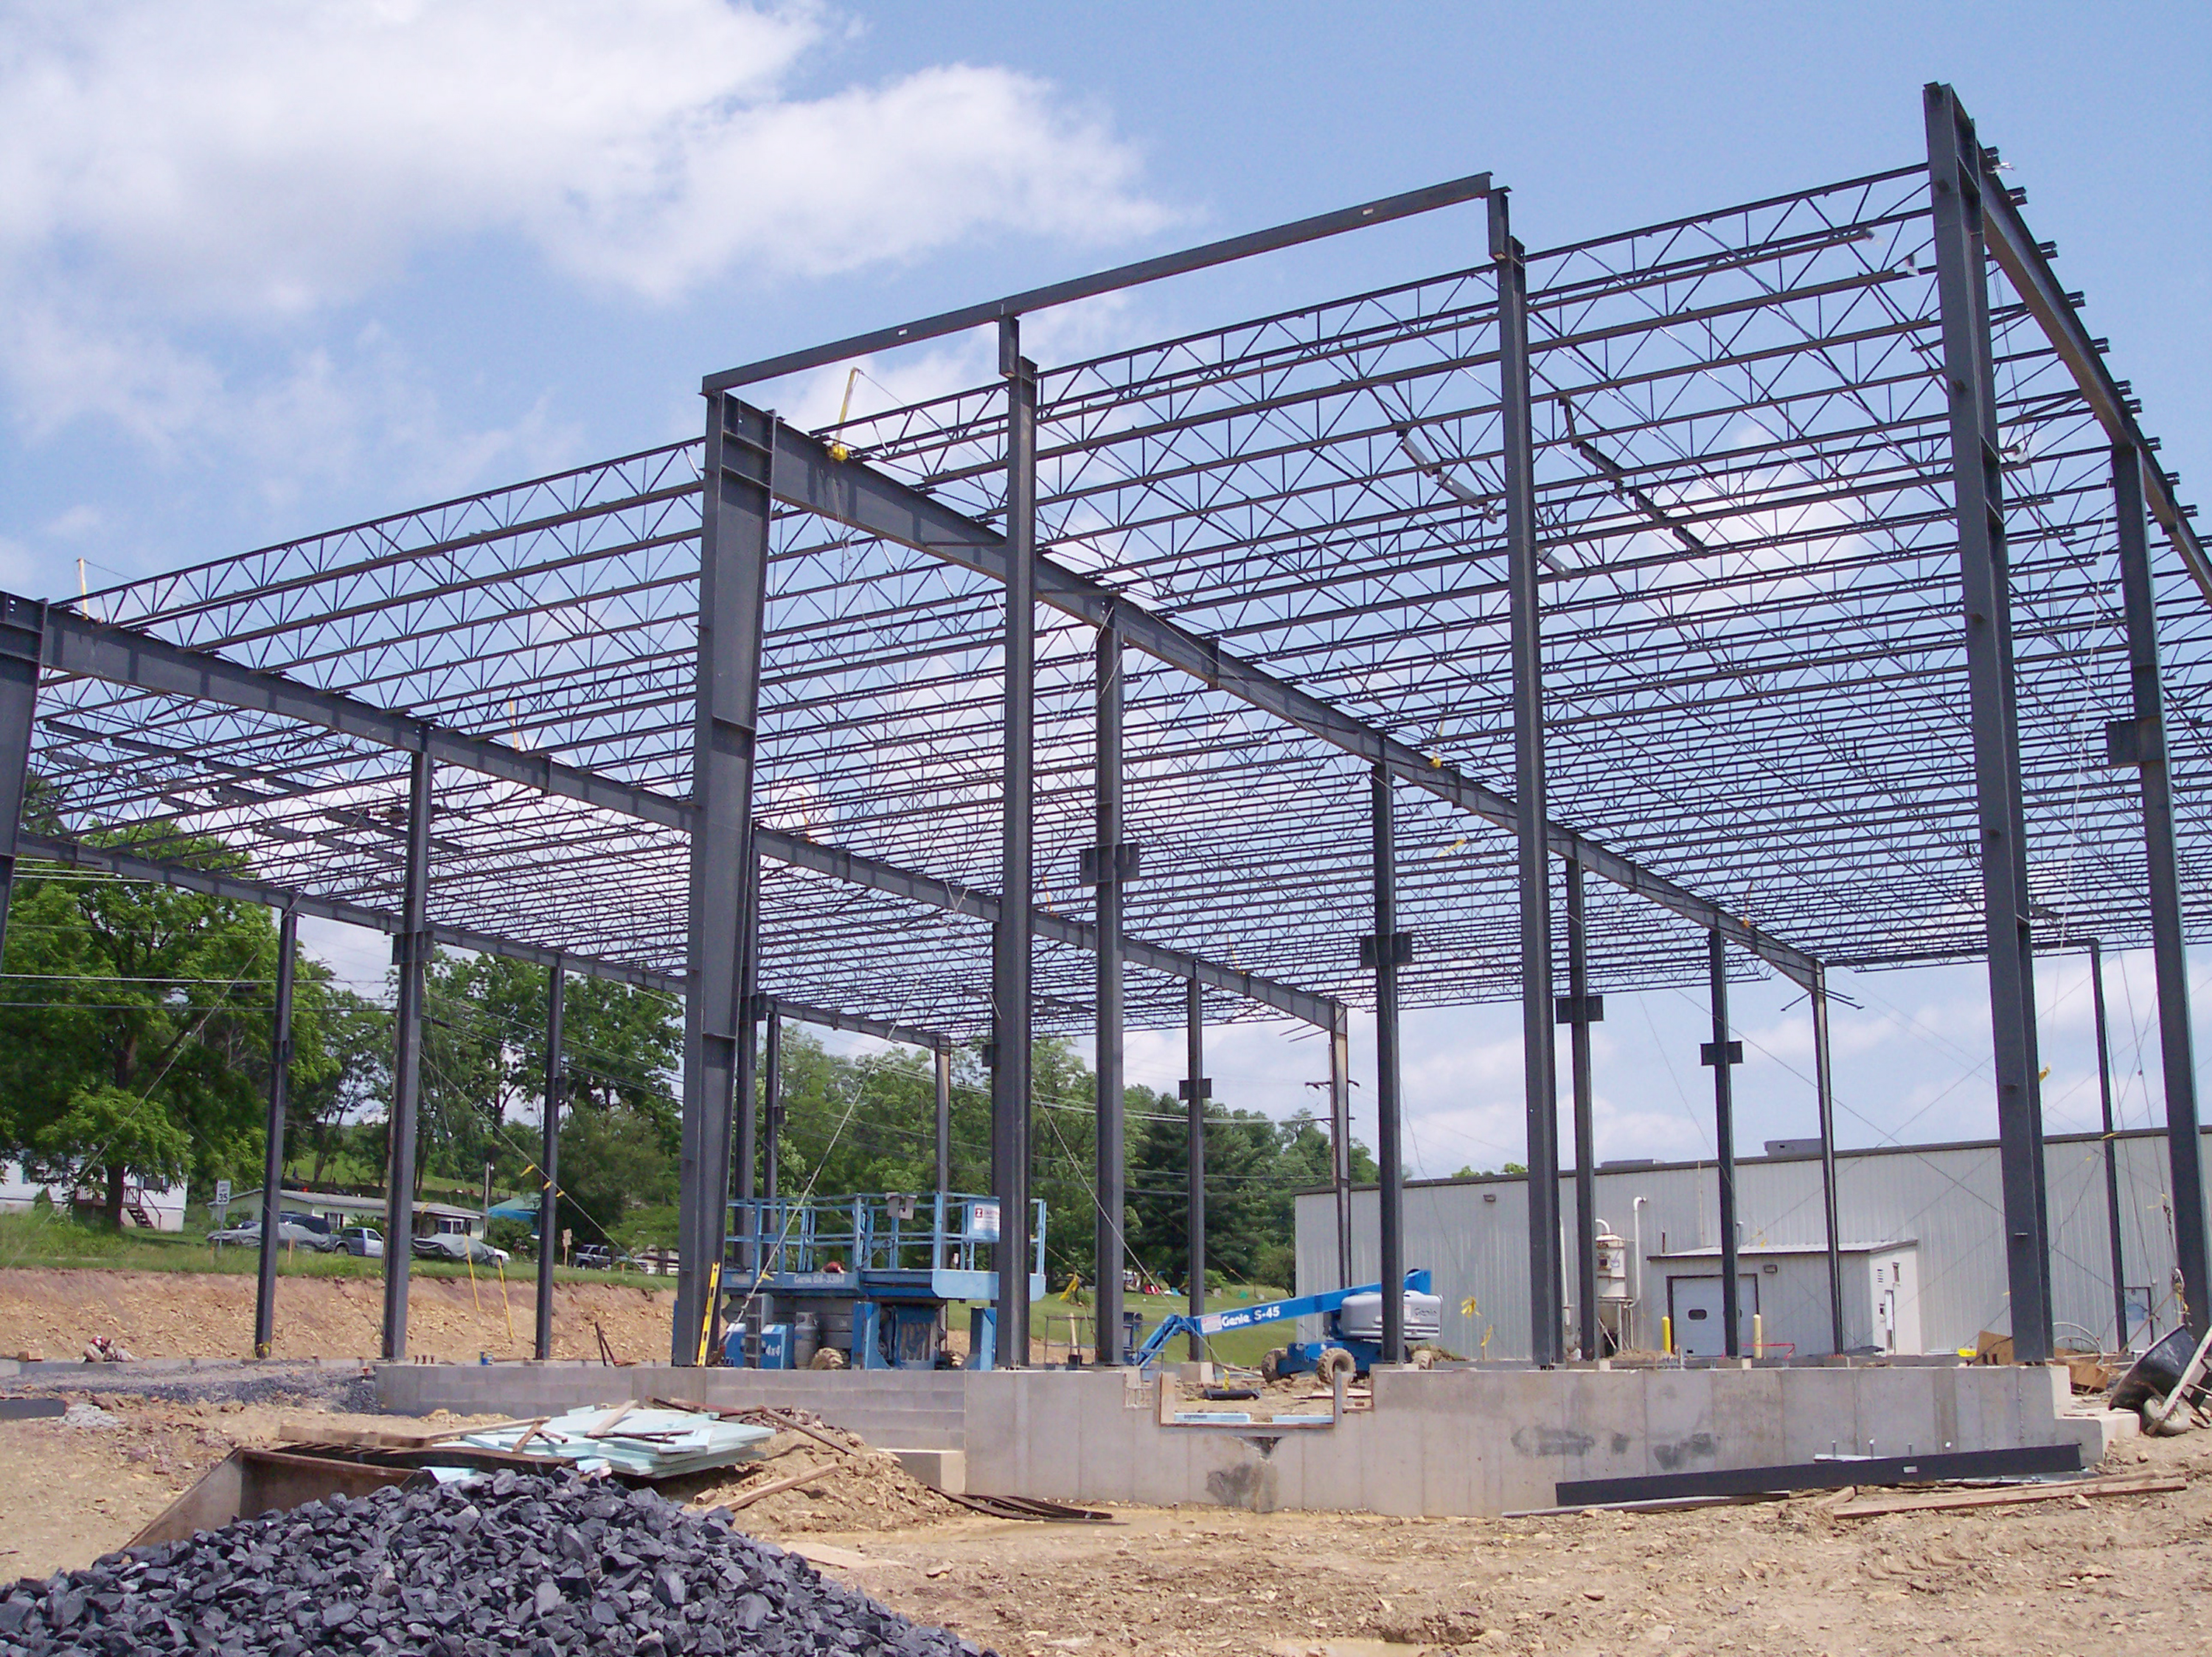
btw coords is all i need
(1436, 1442)
(910, 1409)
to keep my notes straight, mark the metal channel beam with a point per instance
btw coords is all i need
(1722, 1055)
(1110, 1159)
(1339, 1139)
(1824, 1089)
(1196, 1087)
(272, 1146)
(1389, 1124)
(809, 477)
(2026, 268)
(1106, 282)
(2112, 1149)
(1958, 203)
(1577, 1015)
(1013, 938)
(2144, 734)
(1538, 1048)
(734, 557)
(548, 1157)
(410, 951)
(22, 624)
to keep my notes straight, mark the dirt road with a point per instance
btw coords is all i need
(160, 1314)
(2117, 1575)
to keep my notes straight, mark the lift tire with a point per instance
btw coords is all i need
(826, 1357)
(1424, 1357)
(1334, 1362)
(1271, 1364)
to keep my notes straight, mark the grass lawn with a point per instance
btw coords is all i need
(41, 1238)
(1053, 1320)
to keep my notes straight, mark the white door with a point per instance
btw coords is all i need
(1694, 1304)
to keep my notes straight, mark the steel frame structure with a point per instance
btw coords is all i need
(1791, 560)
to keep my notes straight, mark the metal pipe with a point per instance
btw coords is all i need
(2146, 737)
(1339, 1139)
(2112, 1149)
(1196, 1088)
(272, 1151)
(1724, 1143)
(1578, 1032)
(1386, 1147)
(1112, 1162)
(1546, 1290)
(412, 949)
(548, 1157)
(1978, 477)
(1823, 1090)
(1010, 964)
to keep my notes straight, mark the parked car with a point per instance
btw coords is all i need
(452, 1246)
(293, 1231)
(364, 1241)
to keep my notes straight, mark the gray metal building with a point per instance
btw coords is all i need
(1938, 1205)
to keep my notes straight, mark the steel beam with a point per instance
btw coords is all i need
(1824, 1089)
(809, 477)
(1540, 1081)
(745, 1120)
(272, 1147)
(772, 1104)
(2029, 270)
(548, 1157)
(1339, 1139)
(734, 557)
(945, 1139)
(410, 949)
(2112, 1149)
(1106, 282)
(1578, 1047)
(2144, 738)
(77, 645)
(1195, 1087)
(1388, 1146)
(1723, 1054)
(830, 1018)
(1108, 1249)
(22, 626)
(1011, 966)
(1954, 166)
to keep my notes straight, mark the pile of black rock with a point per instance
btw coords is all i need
(508, 1564)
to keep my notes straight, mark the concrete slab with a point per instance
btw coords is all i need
(940, 1470)
(1820, 1413)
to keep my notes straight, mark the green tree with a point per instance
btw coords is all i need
(134, 1047)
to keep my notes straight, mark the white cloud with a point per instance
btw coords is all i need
(256, 157)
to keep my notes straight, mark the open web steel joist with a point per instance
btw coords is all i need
(1750, 438)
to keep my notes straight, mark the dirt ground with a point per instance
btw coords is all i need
(2123, 1574)
(159, 1314)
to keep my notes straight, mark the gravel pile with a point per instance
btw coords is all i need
(540, 1566)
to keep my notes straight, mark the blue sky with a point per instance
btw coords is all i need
(267, 269)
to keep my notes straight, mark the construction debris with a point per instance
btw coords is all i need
(551, 1566)
(639, 1442)
(1937, 1500)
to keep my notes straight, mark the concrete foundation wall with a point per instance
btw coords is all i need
(1436, 1442)
(891, 1409)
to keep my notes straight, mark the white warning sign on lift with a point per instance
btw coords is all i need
(983, 1222)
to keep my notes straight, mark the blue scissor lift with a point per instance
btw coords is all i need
(867, 1279)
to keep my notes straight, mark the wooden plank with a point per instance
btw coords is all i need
(1937, 1500)
(747, 1498)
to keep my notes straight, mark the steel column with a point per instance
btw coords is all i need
(2112, 1149)
(1539, 1061)
(411, 950)
(944, 1120)
(1976, 444)
(272, 1149)
(1578, 1023)
(1195, 1087)
(1722, 1056)
(548, 1157)
(1340, 1138)
(1823, 1090)
(1387, 958)
(1112, 1161)
(745, 1125)
(772, 1105)
(733, 546)
(1010, 963)
(2143, 739)
(23, 633)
